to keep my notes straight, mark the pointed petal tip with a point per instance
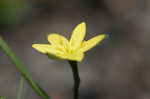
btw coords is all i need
(103, 36)
(83, 23)
(33, 45)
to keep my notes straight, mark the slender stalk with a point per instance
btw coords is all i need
(22, 69)
(76, 78)
(20, 90)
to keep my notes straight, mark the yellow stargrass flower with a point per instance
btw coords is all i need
(72, 49)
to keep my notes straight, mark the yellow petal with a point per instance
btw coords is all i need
(87, 45)
(76, 57)
(78, 35)
(58, 40)
(47, 49)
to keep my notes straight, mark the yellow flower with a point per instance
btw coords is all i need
(72, 49)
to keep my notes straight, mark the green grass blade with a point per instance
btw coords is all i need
(21, 68)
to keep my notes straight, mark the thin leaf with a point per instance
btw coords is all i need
(21, 68)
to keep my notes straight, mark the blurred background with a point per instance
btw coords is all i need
(118, 69)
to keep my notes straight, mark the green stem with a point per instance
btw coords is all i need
(20, 90)
(22, 69)
(76, 78)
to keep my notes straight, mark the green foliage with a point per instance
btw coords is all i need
(21, 68)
